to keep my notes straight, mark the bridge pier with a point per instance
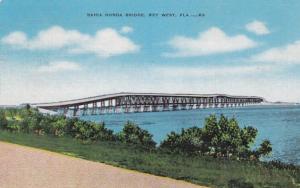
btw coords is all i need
(136, 109)
(154, 108)
(183, 107)
(146, 108)
(94, 109)
(76, 108)
(166, 107)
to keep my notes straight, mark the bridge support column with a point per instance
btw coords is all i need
(136, 109)
(94, 108)
(166, 107)
(76, 108)
(85, 109)
(118, 109)
(65, 110)
(126, 109)
(155, 108)
(146, 108)
(111, 109)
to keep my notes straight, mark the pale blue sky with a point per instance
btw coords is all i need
(51, 50)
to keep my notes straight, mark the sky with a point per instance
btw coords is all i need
(55, 50)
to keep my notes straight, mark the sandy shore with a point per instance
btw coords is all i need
(29, 167)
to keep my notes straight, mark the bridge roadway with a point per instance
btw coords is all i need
(145, 102)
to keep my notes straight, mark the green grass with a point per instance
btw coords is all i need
(198, 170)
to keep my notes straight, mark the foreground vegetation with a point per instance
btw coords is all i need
(218, 155)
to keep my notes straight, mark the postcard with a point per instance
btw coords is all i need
(149, 93)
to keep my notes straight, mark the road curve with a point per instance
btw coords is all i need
(27, 167)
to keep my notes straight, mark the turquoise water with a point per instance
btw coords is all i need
(279, 124)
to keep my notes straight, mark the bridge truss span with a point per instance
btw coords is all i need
(145, 102)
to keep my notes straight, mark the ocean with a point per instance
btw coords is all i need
(278, 123)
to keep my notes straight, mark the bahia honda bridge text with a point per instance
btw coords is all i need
(145, 102)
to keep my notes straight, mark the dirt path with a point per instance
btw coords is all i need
(29, 167)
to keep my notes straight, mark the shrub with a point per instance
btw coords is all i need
(13, 126)
(239, 183)
(133, 134)
(84, 130)
(172, 142)
(189, 141)
(70, 126)
(28, 124)
(281, 165)
(219, 138)
(45, 125)
(3, 120)
(265, 148)
(37, 124)
(59, 126)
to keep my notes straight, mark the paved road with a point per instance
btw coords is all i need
(34, 168)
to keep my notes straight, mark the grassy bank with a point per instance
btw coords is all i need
(199, 170)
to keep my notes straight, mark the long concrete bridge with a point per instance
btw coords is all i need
(145, 102)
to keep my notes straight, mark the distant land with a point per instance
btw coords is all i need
(282, 103)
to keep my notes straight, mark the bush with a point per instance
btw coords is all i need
(189, 141)
(37, 123)
(84, 130)
(70, 126)
(45, 125)
(59, 127)
(239, 183)
(133, 134)
(281, 165)
(3, 120)
(265, 148)
(221, 138)
(13, 126)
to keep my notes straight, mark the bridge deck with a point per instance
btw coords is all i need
(123, 94)
(146, 102)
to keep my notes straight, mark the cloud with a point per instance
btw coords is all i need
(105, 43)
(126, 29)
(212, 71)
(289, 54)
(17, 38)
(257, 27)
(59, 66)
(52, 38)
(212, 41)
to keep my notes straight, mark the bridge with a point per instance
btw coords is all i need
(145, 102)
